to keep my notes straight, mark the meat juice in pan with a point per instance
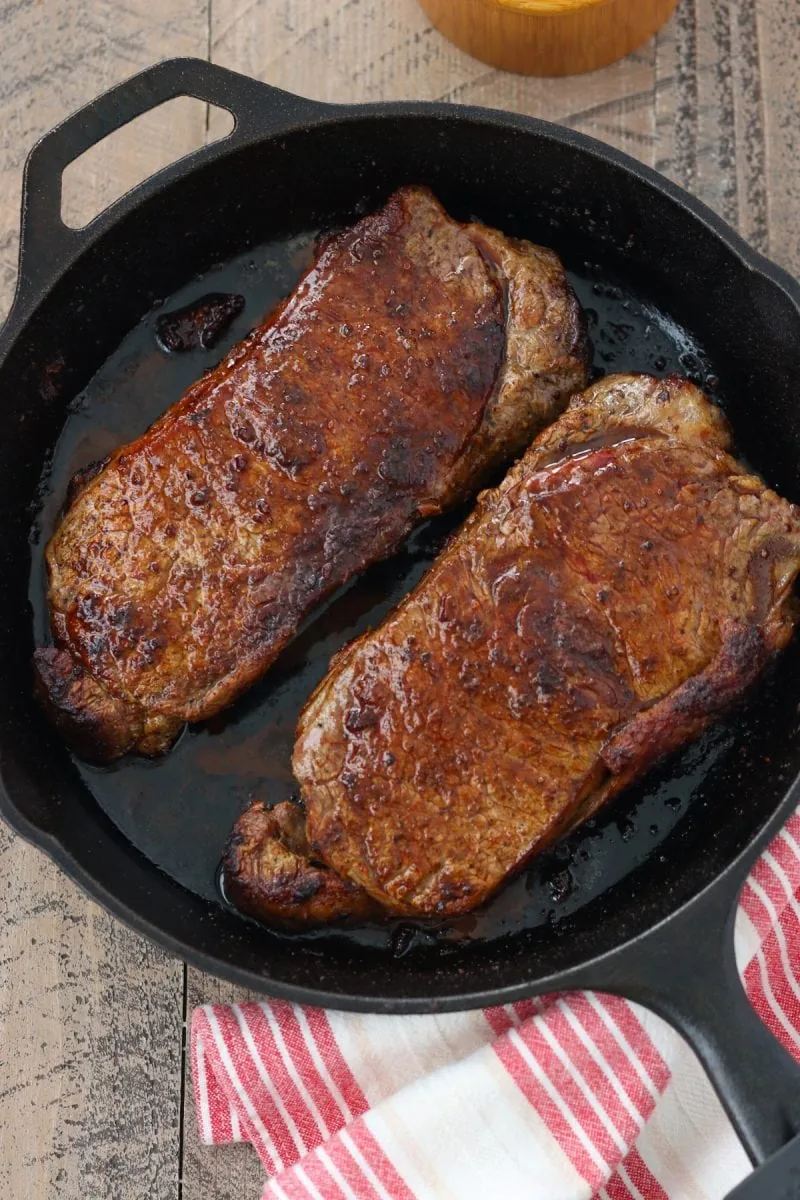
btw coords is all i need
(179, 810)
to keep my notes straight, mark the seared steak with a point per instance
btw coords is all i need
(414, 356)
(623, 586)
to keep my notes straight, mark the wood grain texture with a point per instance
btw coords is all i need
(90, 1017)
(777, 70)
(90, 1053)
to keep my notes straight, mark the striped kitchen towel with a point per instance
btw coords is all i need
(559, 1098)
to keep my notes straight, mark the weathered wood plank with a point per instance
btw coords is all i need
(729, 129)
(778, 68)
(90, 1044)
(90, 1015)
(749, 113)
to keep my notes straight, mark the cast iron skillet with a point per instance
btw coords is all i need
(671, 287)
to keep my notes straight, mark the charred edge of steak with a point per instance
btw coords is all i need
(81, 479)
(200, 325)
(670, 723)
(579, 344)
(268, 873)
(96, 725)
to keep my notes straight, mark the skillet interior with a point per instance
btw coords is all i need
(626, 244)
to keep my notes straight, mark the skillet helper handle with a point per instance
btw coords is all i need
(685, 971)
(46, 243)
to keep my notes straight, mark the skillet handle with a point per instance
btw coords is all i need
(46, 244)
(685, 971)
(778, 1179)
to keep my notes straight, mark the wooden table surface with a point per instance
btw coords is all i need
(96, 1096)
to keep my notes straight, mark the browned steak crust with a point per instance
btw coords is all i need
(414, 356)
(620, 590)
(268, 873)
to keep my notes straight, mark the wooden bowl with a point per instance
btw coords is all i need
(548, 37)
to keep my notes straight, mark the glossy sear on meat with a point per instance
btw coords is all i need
(414, 356)
(624, 585)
